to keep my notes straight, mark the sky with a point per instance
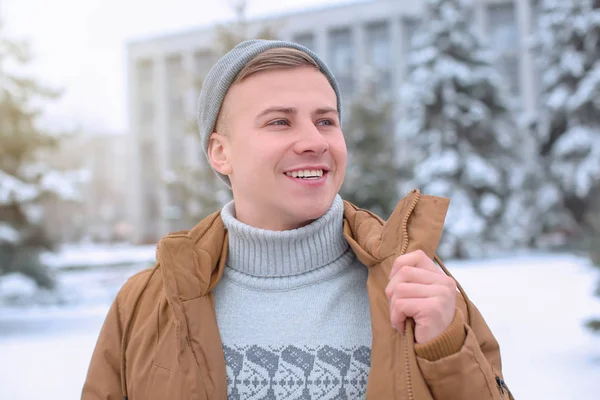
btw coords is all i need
(79, 46)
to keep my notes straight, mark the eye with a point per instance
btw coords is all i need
(326, 122)
(279, 122)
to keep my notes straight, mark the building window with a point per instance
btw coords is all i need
(535, 8)
(175, 87)
(341, 59)
(146, 111)
(306, 39)
(379, 54)
(534, 11)
(508, 65)
(203, 62)
(503, 29)
(410, 26)
(175, 110)
(148, 183)
(145, 88)
(504, 40)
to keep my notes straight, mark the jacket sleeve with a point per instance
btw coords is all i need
(464, 362)
(103, 381)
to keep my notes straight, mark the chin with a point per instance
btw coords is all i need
(305, 209)
(311, 214)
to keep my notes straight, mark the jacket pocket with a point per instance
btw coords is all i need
(158, 387)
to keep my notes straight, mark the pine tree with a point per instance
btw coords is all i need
(592, 246)
(460, 128)
(567, 44)
(198, 184)
(372, 171)
(24, 179)
(534, 214)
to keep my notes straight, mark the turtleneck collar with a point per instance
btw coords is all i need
(265, 253)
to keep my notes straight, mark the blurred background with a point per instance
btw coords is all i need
(493, 103)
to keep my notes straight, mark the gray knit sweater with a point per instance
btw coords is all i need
(293, 312)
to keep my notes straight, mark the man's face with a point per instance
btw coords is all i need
(282, 148)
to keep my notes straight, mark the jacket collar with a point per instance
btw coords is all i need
(416, 223)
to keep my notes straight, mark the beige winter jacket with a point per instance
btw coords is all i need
(161, 341)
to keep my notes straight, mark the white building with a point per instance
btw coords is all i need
(348, 37)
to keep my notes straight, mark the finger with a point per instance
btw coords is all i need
(395, 269)
(432, 283)
(418, 259)
(409, 290)
(417, 275)
(402, 309)
(411, 308)
(425, 277)
(410, 275)
(397, 317)
(389, 288)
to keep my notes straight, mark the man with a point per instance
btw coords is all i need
(289, 292)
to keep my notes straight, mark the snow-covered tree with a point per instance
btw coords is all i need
(372, 170)
(24, 179)
(590, 244)
(567, 45)
(458, 122)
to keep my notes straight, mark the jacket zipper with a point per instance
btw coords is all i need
(403, 250)
(407, 365)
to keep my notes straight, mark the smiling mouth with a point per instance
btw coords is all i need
(307, 174)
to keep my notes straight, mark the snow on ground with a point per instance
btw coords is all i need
(51, 367)
(82, 287)
(535, 305)
(92, 255)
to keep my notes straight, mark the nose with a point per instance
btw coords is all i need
(311, 140)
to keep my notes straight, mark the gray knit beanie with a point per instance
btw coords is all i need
(224, 72)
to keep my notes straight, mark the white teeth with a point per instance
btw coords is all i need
(315, 173)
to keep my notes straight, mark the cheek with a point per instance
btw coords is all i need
(251, 156)
(337, 146)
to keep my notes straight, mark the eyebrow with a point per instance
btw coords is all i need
(291, 110)
(326, 110)
(284, 110)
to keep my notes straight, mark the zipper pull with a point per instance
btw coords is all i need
(500, 383)
(502, 386)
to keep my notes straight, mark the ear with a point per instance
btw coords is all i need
(219, 153)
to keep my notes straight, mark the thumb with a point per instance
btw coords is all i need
(398, 320)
